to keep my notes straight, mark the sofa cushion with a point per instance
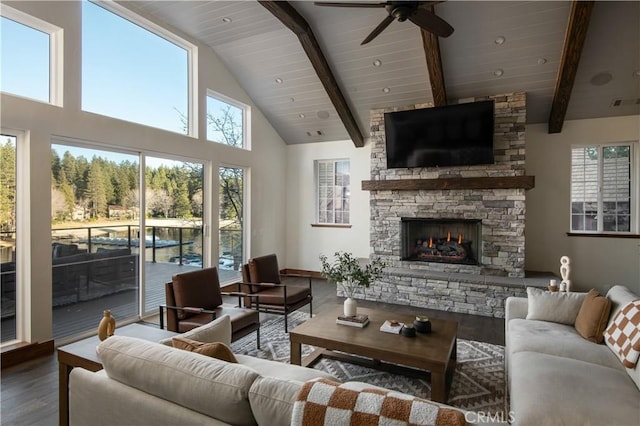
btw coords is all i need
(214, 350)
(623, 334)
(620, 296)
(550, 390)
(281, 370)
(272, 399)
(555, 307)
(206, 385)
(593, 316)
(556, 339)
(218, 330)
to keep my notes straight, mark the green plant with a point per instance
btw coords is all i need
(348, 273)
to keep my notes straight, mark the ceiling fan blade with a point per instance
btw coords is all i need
(431, 22)
(340, 4)
(384, 24)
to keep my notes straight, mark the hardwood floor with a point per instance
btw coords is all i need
(29, 394)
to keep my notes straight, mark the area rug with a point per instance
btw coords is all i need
(478, 382)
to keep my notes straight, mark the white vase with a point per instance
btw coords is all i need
(350, 307)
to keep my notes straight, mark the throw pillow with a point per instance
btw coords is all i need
(325, 402)
(553, 307)
(218, 330)
(623, 334)
(214, 350)
(593, 316)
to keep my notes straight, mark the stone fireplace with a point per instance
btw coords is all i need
(473, 215)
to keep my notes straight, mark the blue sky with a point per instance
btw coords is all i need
(127, 71)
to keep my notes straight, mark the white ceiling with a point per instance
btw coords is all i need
(258, 49)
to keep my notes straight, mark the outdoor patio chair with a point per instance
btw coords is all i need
(194, 298)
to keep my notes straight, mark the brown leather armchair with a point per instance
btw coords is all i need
(194, 298)
(262, 278)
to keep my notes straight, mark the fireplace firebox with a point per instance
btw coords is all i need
(441, 240)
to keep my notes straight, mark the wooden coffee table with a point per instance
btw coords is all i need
(434, 352)
(83, 354)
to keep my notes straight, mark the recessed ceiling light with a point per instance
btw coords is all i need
(542, 61)
(279, 80)
(499, 40)
(601, 78)
(291, 100)
(377, 63)
(301, 115)
(227, 20)
(636, 73)
(386, 90)
(323, 115)
(498, 72)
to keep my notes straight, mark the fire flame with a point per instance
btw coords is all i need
(459, 238)
(448, 236)
(430, 242)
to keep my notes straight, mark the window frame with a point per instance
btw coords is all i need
(634, 190)
(246, 118)
(192, 57)
(56, 52)
(316, 168)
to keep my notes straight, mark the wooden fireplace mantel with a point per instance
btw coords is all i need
(500, 182)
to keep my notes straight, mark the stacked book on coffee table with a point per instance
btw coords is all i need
(358, 320)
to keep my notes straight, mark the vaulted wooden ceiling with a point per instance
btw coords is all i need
(304, 67)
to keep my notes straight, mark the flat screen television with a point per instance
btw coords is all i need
(452, 135)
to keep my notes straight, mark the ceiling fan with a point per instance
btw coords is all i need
(414, 11)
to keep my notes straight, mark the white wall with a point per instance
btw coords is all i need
(304, 242)
(43, 121)
(596, 262)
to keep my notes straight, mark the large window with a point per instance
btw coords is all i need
(332, 188)
(134, 74)
(30, 54)
(8, 236)
(231, 222)
(226, 121)
(602, 188)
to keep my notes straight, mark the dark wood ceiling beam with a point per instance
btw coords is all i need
(431, 47)
(574, 41)
(290, 17)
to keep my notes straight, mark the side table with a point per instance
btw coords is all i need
(83, 354)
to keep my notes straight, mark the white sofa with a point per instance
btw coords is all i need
(556, 377)
(149, 383)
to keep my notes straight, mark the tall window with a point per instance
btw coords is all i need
(332, 183)
(95, 237)
(226, 121)
(601, 188)
(132, 73)
(231, 222)
(29, 55)
(8, 240)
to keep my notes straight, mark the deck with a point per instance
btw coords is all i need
(81, 317)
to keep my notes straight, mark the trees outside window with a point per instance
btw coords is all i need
(8, 236)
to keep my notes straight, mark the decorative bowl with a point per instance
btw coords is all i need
(422, 325)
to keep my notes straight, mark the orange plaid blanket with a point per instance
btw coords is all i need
(325, 402)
